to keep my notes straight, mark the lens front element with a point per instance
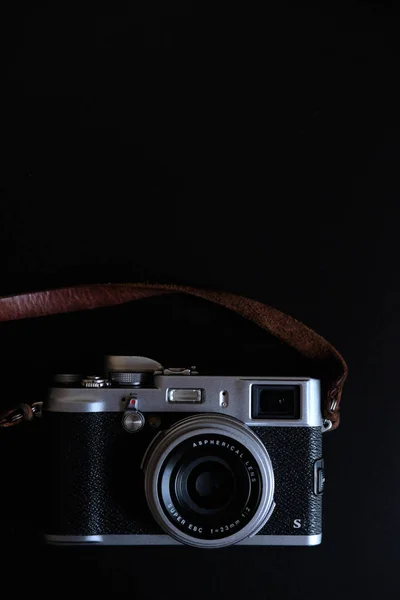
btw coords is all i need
(209, 481)
(210, 485)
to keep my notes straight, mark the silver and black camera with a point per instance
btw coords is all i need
(147, 455)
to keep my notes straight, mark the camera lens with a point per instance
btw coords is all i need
(210, 485)
(206, 484)
(209, 481)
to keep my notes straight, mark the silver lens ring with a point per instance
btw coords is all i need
(208, 424)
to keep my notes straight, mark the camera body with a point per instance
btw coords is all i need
(148, 455)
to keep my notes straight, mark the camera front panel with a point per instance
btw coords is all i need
(96, 483)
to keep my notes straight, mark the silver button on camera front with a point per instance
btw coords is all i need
(185, 395)
(223, 399)
(133, 421)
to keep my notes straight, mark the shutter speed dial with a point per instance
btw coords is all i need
(135, 371)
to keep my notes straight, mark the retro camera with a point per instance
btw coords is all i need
(148, 455)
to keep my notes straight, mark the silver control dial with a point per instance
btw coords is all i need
(130, 379)
(67, 378)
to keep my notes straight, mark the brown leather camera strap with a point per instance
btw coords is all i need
(282, 326)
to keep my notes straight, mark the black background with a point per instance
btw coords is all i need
(257, 154)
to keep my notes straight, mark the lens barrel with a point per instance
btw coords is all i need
(209, 481)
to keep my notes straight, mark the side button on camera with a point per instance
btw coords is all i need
(319, 476)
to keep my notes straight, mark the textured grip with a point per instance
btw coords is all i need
(96, 484)
(293, 451)
(95, 477)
